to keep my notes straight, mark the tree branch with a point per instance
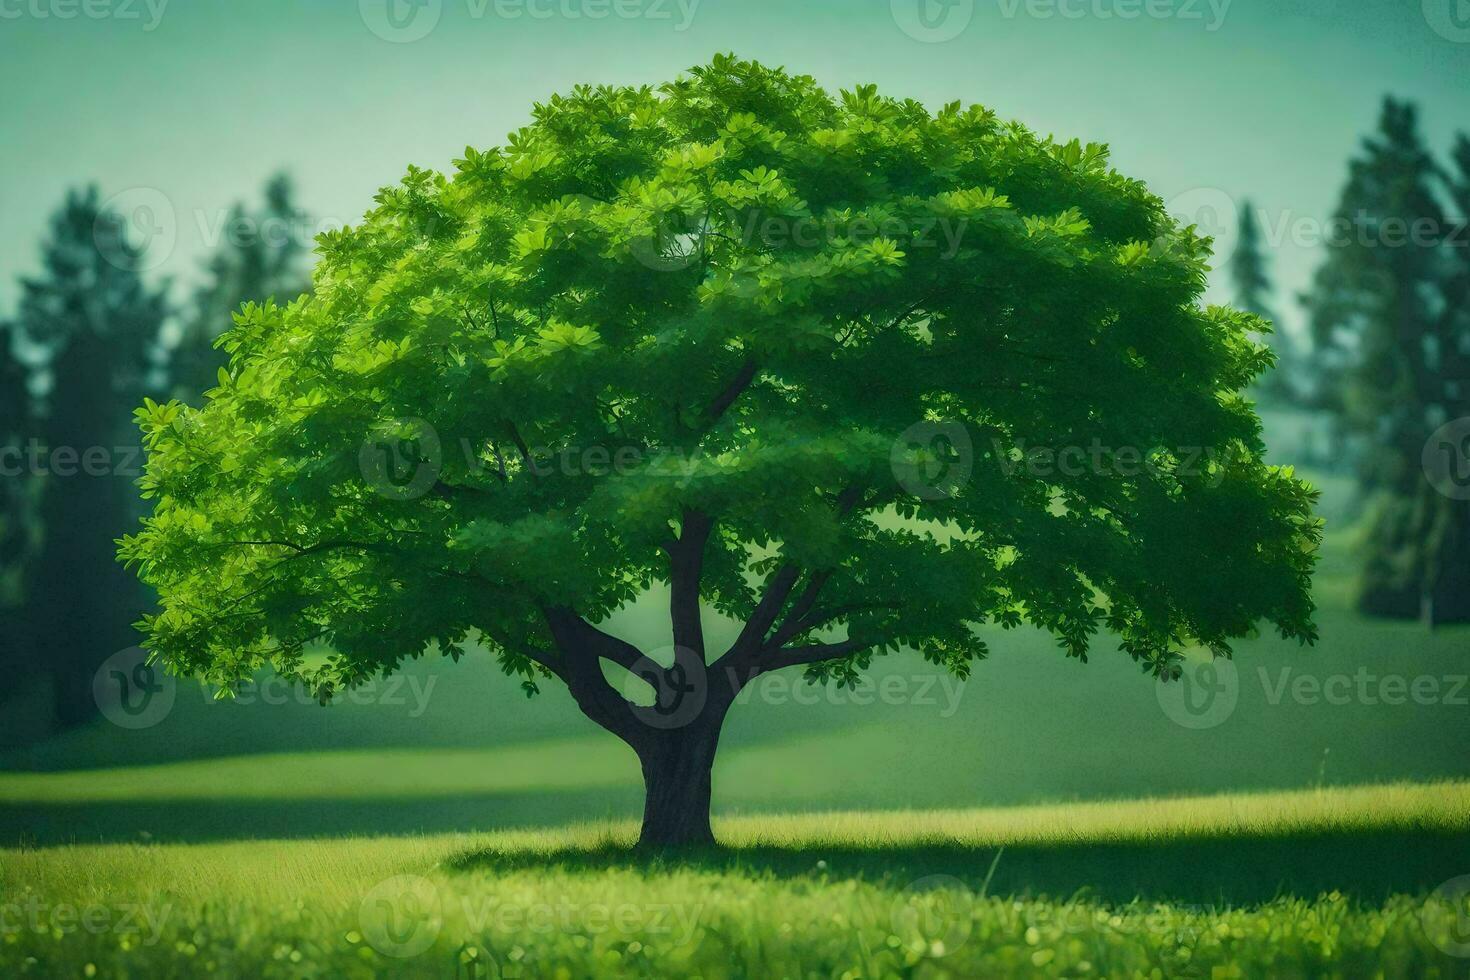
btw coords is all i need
(686, 562)
(303, 550)
(752, 638)
(550, 661)
(732, 391)
(448, 491)
(790, 626)
(574, 635)
(520, 444)
(813, 654)
(820, 617)
(582, 645)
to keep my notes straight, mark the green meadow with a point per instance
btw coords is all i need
(1307, 883)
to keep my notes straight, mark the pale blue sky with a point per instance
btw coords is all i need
(198, 101)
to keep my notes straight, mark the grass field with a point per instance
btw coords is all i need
(1330, 882)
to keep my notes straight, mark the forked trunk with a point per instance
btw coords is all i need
(675, 738)
(677, 766)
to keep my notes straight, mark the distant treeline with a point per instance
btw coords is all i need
(90, 340)
(1388, 317)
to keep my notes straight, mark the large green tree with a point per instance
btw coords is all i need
(797, 357)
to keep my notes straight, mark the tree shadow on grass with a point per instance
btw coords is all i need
(46, 824)
(1206, 871)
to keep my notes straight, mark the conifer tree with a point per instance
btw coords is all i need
(18, 538)
(1253, 289)
(15, 484)
(1446, 503)
(1378, 316)
(261, 255)
(98, 322)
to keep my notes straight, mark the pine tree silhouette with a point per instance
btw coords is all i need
(1386, 320)
(99, 323)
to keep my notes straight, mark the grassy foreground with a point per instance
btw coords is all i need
(1332, 882)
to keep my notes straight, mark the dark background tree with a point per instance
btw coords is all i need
(1385, 324)
(1251, 280)
(17, 527)
(22, 710)
(98, 325)
(1447, 571)
(261, 256)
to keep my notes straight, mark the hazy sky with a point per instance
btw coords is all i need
(183, 106)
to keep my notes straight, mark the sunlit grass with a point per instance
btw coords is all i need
(1440, 807)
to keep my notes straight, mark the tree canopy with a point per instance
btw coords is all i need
(814, 361)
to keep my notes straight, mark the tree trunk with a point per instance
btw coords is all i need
(676, 777)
